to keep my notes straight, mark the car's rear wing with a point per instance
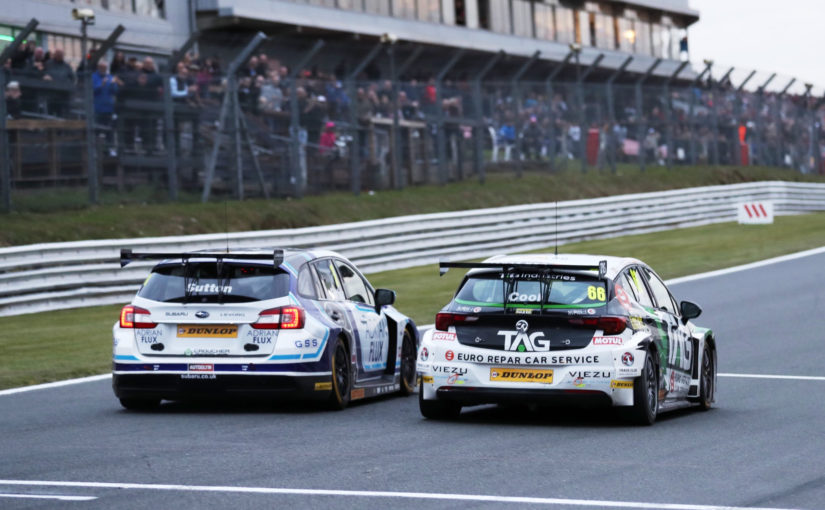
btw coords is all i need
(445, 266)
(128, 256)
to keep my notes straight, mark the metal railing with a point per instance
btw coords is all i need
(42, 277)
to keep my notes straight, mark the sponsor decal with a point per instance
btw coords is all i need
(524, 298)
(627, 359)
(607, 340)
(206, 352)
(591, 311)
(306, 344)
(623, 385)
(323, 386)
(578, 382)
(201, 314)
(176, 314)
(589, 374)
(446, 369)
(519, 340)
(521, 375)
(622, 297)
(449, 355)
(356, 394)
(580, 359)
(148, 336)
(476, 309)
(629, 371)
(233, 315)
(636, 323)
(201, 367)
(672, 380)
(524, 311)
(456, 379)
(209, 288)
(427, 379)
(425, 354)
(478, 340)
(198, 376)
(538, 276)
(444, 335)
(206, 331)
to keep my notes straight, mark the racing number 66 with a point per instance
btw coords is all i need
(596, 293)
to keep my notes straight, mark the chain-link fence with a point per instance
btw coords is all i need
(242, 122)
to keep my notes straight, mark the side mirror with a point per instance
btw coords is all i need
(689, 310)
(384, 297)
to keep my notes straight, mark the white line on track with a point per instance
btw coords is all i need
(61, 497)
(57, 384)
(771, 376)
(382, 494)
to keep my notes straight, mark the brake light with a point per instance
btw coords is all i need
(135, 317)
(284, 317)
(609, 325)
(443, 321)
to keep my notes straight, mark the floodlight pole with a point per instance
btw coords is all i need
(517, 96)
(640, 117)
(168, 116)
(548, 88)
(611, 111)
(395, 74)
(355, 152)
(5, 156)
(478, 129)
(669, 113)
(439, 93)
(583, 126)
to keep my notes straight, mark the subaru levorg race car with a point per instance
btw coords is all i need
(565, 328)
(282, 323)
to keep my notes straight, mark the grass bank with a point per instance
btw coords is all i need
(63, 215)
(59, 345)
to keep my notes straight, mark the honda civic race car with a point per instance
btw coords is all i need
(565, 328)
(282, 323)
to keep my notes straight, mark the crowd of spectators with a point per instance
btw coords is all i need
(706, 124)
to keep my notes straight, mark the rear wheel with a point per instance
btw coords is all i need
(707, 377)
(140, 404)
(437, 409)
(408, 356)
(645, 394)
(341, 376)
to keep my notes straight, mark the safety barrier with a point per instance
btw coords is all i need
(53, 276)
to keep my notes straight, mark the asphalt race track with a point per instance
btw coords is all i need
(763, 445)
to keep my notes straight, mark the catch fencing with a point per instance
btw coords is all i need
(43, 277)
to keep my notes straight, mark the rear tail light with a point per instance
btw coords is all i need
(135, 317)
(609, 325)
(443, 321)
(283, 317)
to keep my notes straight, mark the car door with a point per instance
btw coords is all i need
(676, 338)
(371, 325)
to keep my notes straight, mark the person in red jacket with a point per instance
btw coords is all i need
(327, 142)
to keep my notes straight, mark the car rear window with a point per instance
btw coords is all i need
(200, 283)
(530, 291)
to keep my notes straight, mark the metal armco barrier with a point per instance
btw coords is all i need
(41, 277)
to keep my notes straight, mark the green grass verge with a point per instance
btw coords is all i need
(62, 214)
(59, 345)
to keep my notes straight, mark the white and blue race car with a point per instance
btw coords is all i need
(565, 328)
(269, 324)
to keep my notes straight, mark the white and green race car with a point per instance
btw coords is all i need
(565, 328)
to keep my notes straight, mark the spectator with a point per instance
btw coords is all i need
(118, 64)
(271, 95)
(327, 141)
(182, 88)
(532, 139)
(60, 73)
(13, 100)
(104, 86)
(33, 98)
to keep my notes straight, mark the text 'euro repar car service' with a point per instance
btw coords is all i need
(276, 324)
(565, 328)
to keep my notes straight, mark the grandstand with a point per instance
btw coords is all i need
(277, 97)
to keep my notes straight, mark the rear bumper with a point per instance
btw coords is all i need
(209, 385)
(480, 395)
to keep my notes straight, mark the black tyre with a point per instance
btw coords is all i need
(140, 404)
(408, 357)
(707, 379)
(437, 409)
(341, 376)
(645, 394)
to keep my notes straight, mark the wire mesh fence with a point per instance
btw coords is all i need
(238, 120)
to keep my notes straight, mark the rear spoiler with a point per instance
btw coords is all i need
(445, 266)
(128, 256)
